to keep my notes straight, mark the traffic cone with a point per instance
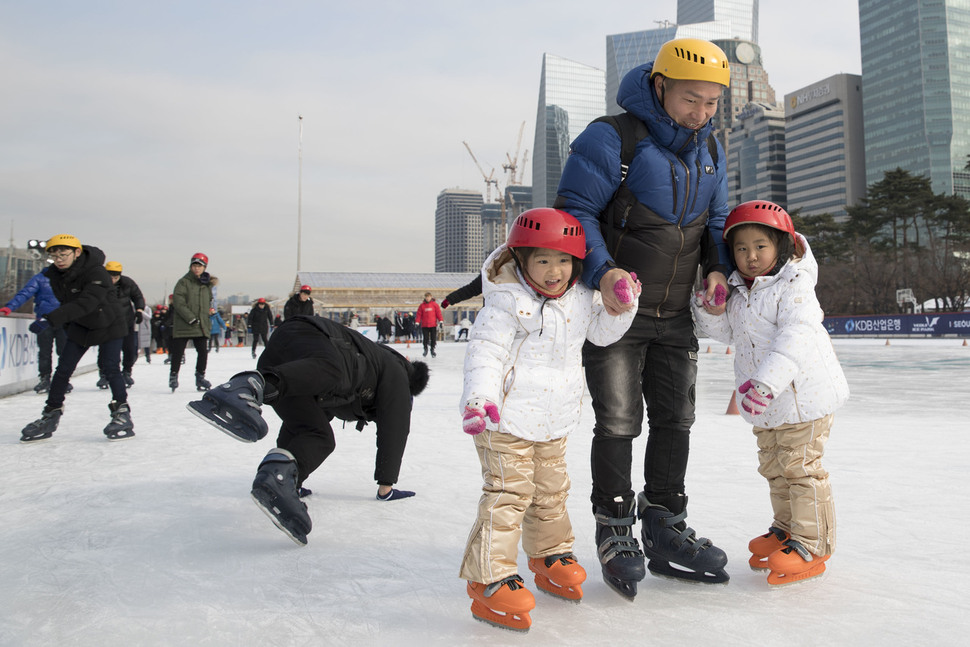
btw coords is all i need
(728, 351)
(732, 409)
(964, 342)
(887, 342)
(708, 349)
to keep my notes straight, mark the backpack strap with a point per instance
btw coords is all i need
(712, 147)
(631, 130)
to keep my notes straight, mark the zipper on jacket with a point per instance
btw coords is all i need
(680, 222)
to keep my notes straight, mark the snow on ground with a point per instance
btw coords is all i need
(155, 540)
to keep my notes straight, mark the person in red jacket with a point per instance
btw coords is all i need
(427, 317)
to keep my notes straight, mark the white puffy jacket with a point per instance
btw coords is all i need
(776, 329)
(525, 350)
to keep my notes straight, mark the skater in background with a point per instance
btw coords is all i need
(384, 329)
(158, 328)
(241, 329)
(38, 288)
(789, 383)
(664, 224)
(314, 370)
(299, 304)
(260, 319)
(91, 315)
(145, 333)
(216, 325)
(463, 327)
(129, 294)
(191, 300)
(523, 390)
(427, 318)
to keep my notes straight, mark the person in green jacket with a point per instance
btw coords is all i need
(191, 300)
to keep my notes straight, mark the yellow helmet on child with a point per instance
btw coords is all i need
(113, 266)
(63, 240)
(692, 59)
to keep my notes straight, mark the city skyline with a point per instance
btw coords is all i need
(155, 132)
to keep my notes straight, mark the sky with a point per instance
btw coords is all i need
(158, 130)
(155, 540)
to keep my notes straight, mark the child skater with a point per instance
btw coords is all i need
(523, 388)
(789, 383)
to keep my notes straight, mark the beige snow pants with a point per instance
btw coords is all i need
(790, 458)
(523, 495)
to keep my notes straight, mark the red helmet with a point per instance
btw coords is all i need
(549, 229)
(305, 288)
(260, 300)
(760, 212)
(199, 258)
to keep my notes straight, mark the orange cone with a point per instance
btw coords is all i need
(709, 348)
(732, 409)
(728, 351)
(887, 342)
(964, 342)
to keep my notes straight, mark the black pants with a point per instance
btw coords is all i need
(177, 349)
(430, 338)
(304, 362)
(109, 365)
(129, 351)
(47, 340)
(656, 361)
(257, 335)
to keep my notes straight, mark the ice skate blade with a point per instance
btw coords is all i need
(209, 412)
(671, 571)
(267, 509)
(572, 593)
(518, 622)
(35, 440)
(758, 563)
(780, 580)
(627, 589)
(114, 439)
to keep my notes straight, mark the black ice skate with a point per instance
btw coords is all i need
(43, 427)
(234, 407)
(202, 384)
(44, 385)
(173, 381)
(618, 550)
(129, 380)
(675, 550)
(120, 426)
(275, 492)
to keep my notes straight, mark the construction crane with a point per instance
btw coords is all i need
(512, 164)
(489, 179)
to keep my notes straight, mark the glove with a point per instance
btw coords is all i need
(138, 316)
(720, 296)
(476, 410)
(38, 326)
(394, 495)
(624, 291)
(444, 304)
(756, 397)
(4, 312)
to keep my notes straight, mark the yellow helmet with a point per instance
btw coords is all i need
(113, 266)
(692, 59)
(63, 240)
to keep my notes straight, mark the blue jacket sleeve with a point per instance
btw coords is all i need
(589, 179)
(26, 292)
(717, 213)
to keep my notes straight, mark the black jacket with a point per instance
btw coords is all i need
(260, 319)
(294, 307)
(90, 311)
(129, 294)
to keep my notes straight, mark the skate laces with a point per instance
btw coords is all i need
(514, 583)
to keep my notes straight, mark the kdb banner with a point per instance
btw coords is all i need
(944, 323)
(18, 356)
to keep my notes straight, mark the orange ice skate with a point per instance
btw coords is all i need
(794, 563)
(559, 575)
(505, 603)
(764, 545)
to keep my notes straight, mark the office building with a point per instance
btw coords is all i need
(916, 90)
(458, 243)
(570, 96)
(824, 146)
(756, 160)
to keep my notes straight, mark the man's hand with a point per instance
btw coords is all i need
(608, 283)
(715, 296)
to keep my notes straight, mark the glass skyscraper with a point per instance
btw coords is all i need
(570, 96)
(916, 90)
(706, 19)
(458, 243)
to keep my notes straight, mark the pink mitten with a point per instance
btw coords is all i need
(756, 397)
(624, 291)
(476, 410)
(720, 295)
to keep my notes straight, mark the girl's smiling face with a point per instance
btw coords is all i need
(550, 270)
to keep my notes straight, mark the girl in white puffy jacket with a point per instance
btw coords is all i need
(523, 389)
(789, 383)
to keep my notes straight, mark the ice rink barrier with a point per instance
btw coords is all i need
(940, 324)
(18, 356)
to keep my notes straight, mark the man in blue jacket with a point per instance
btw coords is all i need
(39, 288)
(665, 222)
